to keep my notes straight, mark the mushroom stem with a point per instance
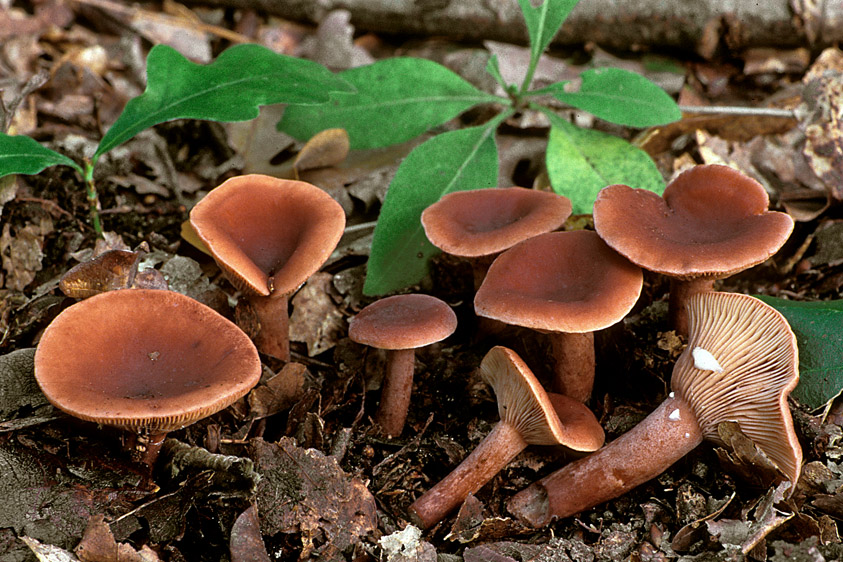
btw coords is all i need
(396, 391)
(574, 364)
(274, 335)
(480, 267)
(144, 447)
(496, 450)
(680, 291)
(642, 453)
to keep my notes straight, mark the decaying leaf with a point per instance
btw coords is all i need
(18, 388)
(474, 524)
(21, 252)
(279, 392)
(98, 545)
(326, 148)
(48, 552)
(745, 459)
(315, 318)
(406, 546)
(246, 544)
(303, 491)
(823, 127)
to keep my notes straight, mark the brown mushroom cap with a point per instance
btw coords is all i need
(540, 418)
(403, 322)
(560, 282)
(711, 221)
(145, 360)
(482, 222)
(268, 235)
(756, 349)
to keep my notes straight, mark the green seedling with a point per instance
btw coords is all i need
(232, 88)
(398, 99)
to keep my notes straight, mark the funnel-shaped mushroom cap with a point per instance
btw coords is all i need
(560, 282)
(144, 359)
(712, 221)
(268, 235)
(541, 419)
(482, 222)
(403, 322)
(746, 364)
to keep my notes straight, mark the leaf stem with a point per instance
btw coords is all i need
(93, 198)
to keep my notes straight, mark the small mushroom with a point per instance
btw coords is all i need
(711, 222)
(529, 416)
(479, 224)
(400, 324)
(744, 374)
(566, 284)
(269, 235)
(144, 360)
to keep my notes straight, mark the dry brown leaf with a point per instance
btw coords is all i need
(21, 252)
(325, 148)
(279, 392)
(316, 320)
(823, 103)
(742, 457)
(246, 544)
(98, 545)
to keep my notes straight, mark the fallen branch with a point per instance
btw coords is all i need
(701, 25)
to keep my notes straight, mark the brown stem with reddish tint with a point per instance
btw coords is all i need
(144, 447)
(573, 356)
(396, 391)
(274, 336)
(639, 455)
(496, 450)
(680, 292)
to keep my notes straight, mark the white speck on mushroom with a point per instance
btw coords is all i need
(687, 435)
(705, 361)
(672, 394)
(674, 415)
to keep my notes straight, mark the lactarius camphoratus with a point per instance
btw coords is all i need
(144, 360)
(529, 416)
(740, 365)
(269, 235)
(711, 222)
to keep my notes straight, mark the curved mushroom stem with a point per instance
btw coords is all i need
(396, 391)
(573, 355)
(680, 292)
(274, 335)
(642, 453)
(496, 450)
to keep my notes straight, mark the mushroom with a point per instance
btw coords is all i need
(269, 235)
(529, 416)
(566, 284)
(400, 324)
(479, 224)
(711, 222)
(740, 365)
(144, 360)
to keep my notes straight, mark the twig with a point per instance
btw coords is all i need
(738, 110)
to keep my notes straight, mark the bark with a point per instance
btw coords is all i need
(700, 25)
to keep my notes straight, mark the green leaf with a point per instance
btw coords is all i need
(818, 327)
(453, 161)
(543, 21)
(20, 154)
(232, 88)
(397, 99)
(581, 162)
(622, 97)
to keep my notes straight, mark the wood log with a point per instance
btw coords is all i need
(699, 25)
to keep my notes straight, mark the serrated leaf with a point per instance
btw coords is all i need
(581, 162)
(453, 161)
(543, 21)
(396, 100)
(20, 154)
(232, 88)
(621, 97)
(818, 327)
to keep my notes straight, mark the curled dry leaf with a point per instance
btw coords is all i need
(326, 148)
(98, 545)
(278, 392)
(315, 319)
(246, 543)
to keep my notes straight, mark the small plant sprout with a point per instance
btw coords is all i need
(757, 353)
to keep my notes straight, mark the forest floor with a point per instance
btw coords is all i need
(329, 487)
